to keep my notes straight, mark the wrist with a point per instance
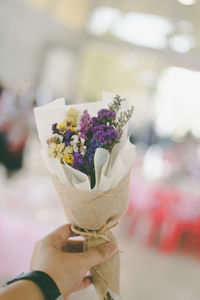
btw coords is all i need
(42, 280)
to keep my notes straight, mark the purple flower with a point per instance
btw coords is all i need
(85, 124)
(67, 138)
(78, 161)
(53, 128)
(95, 121)
(89, 154)
(99, 127)
(80, 164)
(105, 134)
(104, 115)
(68, 134)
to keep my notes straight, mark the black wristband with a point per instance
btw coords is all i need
(44, 281)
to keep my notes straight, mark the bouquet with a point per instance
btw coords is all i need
(88, 154)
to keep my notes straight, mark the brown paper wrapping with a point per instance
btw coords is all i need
(93, 214)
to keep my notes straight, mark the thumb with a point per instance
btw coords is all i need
(99, 254)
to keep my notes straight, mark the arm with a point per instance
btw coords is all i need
(23, 289)
(64, 261)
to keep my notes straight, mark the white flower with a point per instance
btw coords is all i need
(78, 144)
(75, 137)
(68, 150)
(73, 144)
(75, 148)
(56, 150)
(56, 135)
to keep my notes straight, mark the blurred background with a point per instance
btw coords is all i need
(148, 51)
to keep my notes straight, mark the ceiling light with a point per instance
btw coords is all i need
(182, 43)
(143, 29)
(102, 19)
(187, 2)
(177, 103)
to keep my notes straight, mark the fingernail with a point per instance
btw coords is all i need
(111, 247)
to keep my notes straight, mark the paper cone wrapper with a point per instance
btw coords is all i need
(92, 214)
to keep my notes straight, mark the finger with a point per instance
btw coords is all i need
(75, 246)
(60, 235)
(63, 232)
(99, 254)
(87, 281)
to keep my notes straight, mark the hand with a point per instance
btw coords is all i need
(64, 260)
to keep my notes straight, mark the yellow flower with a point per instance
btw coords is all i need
(71, 116)
(69, 159)
(71, 128)
(61, 126)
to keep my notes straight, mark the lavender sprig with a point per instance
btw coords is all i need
(115, 106)
(123, 118)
